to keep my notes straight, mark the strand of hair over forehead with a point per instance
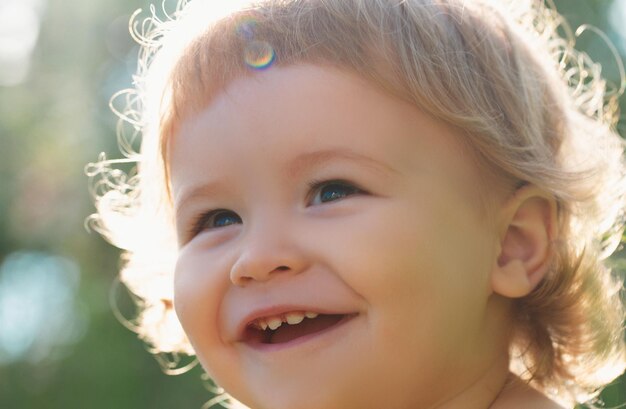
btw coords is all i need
(590, 92)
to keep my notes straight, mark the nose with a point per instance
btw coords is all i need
(266, 254)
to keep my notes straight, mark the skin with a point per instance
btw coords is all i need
(410, 252)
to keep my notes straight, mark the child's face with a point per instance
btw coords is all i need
(340, 200)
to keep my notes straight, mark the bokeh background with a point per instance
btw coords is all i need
(61, 346)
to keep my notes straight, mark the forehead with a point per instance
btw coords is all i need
(263, 121)
(301, 100)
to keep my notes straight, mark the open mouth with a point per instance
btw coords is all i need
(289, 327)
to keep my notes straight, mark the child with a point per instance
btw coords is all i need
(374, 204)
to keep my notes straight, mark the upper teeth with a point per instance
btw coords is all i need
(291, 318)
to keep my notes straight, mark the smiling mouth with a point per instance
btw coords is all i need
(285, 332)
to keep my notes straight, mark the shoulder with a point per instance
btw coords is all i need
(517, 394)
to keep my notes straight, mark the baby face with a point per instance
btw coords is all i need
(333, 251)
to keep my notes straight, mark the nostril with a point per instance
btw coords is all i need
(246, 279)
(243, 280)
(254, 267)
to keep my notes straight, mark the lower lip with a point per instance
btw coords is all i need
(301, 341)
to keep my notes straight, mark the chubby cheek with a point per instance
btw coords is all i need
(420, 264)
(393, 252)
(198, 288)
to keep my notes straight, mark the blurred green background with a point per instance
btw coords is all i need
(60, 344)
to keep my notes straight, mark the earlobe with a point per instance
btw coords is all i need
(527, 227)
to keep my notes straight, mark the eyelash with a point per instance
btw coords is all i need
(315, 187)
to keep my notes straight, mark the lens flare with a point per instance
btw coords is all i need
(259, 55)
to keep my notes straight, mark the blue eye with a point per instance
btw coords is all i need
(225, 218)
(215, 219)
(330, 191)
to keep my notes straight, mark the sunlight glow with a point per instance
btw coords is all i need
(19, 30)
(39, 313)
(617, 17)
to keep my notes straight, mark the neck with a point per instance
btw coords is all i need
(485, 391)
(499, 389)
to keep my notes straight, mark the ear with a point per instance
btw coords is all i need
(527, 227)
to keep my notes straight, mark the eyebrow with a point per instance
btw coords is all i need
(209, 189)
(308, 160)
(294, 169)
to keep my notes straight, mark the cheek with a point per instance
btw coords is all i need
(399, 247)
(200, 287)
(197, 292)
(421, 259)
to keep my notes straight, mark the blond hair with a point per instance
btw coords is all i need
(533, 109)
